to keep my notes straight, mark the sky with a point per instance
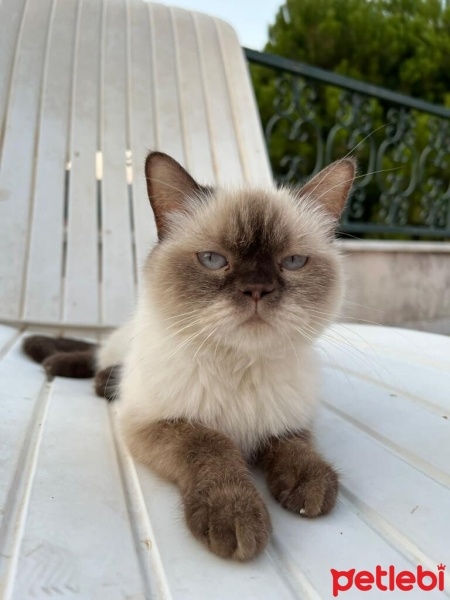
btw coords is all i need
(250, 18)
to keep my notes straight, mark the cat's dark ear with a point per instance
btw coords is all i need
(169, 188)
(331, 186)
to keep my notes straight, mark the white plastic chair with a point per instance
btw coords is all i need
(86, 87)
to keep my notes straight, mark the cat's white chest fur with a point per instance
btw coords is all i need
(248, 398)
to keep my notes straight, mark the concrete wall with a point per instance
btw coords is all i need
(398, 283)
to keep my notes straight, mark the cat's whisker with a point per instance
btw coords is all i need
(356, 320)
(380, 310)
(181, 318)
(349, 348)
(178, 322)
(319, 315)
(365, 138)
(327, 333)
(343, 346)
(351, 151)
(324, 193)
(216, 348)
(303, 332)
(147, 327)
(343, 235)
(353, 351)
(363, 359)
(182, 314)
(333, 315)
(293, 348)
(178, 331)
(188, 341)
(204, 341)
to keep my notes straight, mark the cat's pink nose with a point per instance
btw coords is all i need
(257, 290)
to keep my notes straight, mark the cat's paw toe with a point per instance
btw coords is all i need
(310, 493)
(232, 521)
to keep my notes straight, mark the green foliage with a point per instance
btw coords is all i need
(403, 45)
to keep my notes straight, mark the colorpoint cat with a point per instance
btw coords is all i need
(217, 366)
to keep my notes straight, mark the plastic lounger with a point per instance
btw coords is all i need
(85, 89)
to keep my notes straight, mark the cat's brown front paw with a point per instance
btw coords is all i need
(308, 489)
(232, 520)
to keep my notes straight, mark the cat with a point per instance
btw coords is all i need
(217, 366)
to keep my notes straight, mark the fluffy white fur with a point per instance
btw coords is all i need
(247, 396)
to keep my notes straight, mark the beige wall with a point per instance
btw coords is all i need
(398, 283)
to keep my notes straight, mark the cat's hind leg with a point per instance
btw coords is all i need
(63, 357)
(40, 347)
(66, 357)
(297, 475)
(222, 507)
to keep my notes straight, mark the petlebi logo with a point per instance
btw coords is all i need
(388, 580)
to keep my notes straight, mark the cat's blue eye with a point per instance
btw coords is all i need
(212, 260)
(295, 262)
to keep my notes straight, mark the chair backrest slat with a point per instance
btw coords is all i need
(222, 128)
(253, 153)
(141, 107)
(44, 265)
(11, 19)
(81, 299)
(18, 153)
(117, 255)
(197, 143)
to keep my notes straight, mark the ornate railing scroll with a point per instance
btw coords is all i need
(311, 117)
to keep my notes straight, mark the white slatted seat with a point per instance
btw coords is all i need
(86, 87)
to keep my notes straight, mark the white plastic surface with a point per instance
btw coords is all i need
(86, 87)
(80, 520)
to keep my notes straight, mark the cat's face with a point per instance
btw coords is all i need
(248, 268)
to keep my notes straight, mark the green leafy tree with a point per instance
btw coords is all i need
(403, 45)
